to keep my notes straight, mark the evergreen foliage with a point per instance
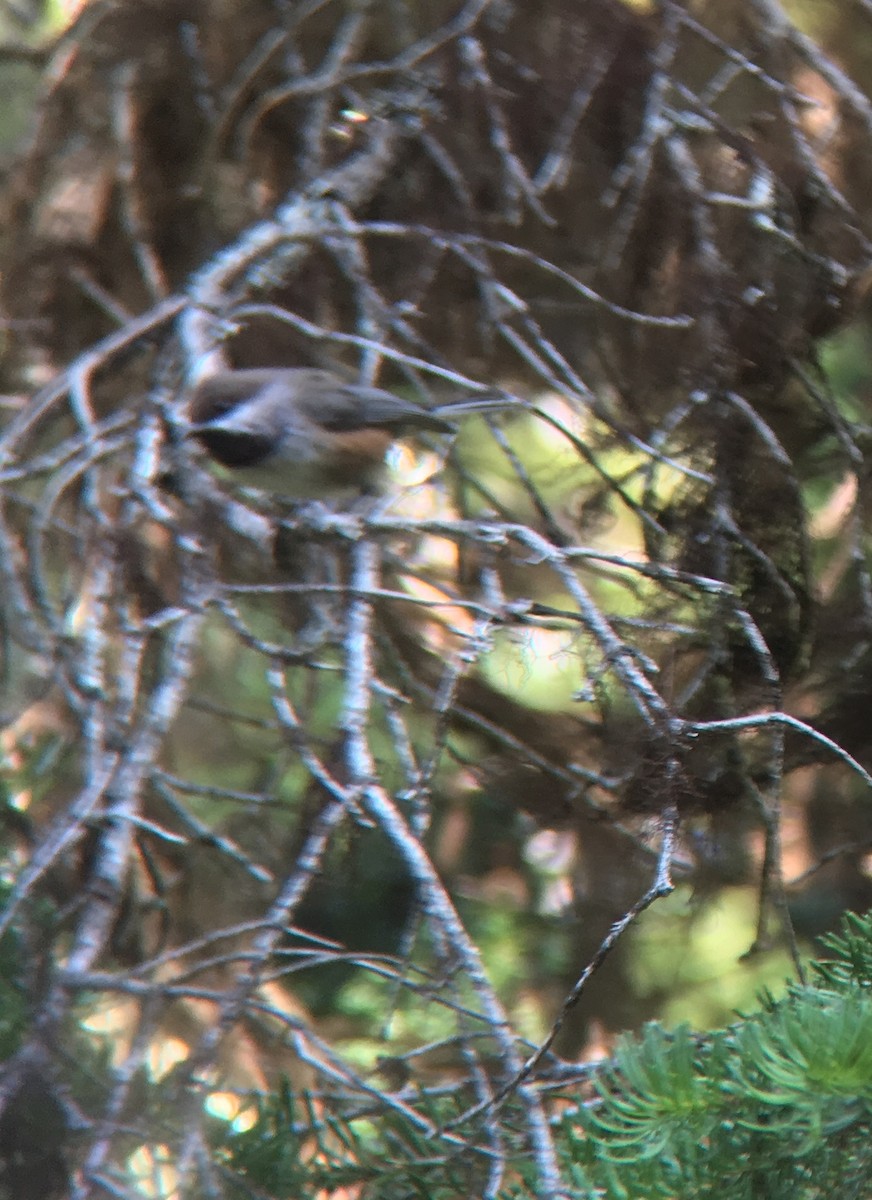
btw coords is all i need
(778, 1106)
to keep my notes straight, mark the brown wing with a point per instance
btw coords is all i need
(342, 407)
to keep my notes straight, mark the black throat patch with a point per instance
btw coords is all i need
(235, 448)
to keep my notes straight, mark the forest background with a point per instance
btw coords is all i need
(338, 847)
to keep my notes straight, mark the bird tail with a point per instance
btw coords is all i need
(487, 402)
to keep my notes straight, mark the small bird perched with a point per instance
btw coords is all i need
(307, 433)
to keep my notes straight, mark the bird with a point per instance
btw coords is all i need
(307, 433)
